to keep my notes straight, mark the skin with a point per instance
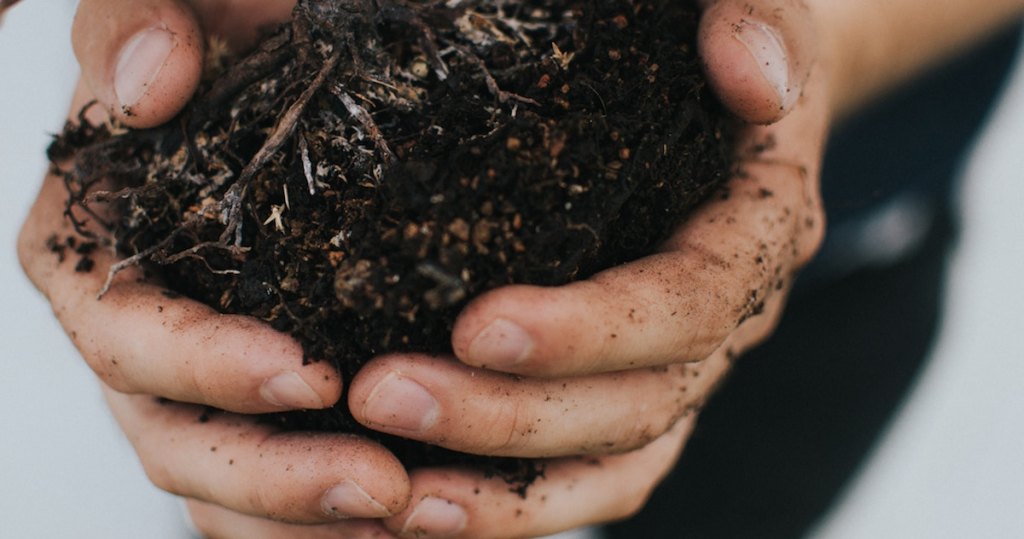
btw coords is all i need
(630, 354)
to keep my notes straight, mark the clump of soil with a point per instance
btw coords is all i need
(375, 164)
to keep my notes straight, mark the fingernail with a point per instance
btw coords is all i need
(140, 62)
(435, 517)
(348, 500)
(769, 51)
(501, 343)
(289, 390)
(400, 403)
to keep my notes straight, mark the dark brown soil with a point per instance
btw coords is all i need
(376, 164)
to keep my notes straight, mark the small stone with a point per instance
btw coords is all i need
(459, 228)
(419, 68)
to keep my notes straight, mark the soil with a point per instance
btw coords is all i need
(375, 164)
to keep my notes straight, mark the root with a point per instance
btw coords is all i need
(231, 208)
(307, 167)
(366, 120)
(133, 260)
(492, 85)
(271, 55)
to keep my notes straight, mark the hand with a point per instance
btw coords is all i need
(143, 342)
(575, 491)
(605, 366)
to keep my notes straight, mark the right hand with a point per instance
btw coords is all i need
(143, 342)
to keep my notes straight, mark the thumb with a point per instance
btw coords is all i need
(142, 59)
(757, 54)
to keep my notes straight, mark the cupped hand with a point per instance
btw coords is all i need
(145, 342)
(607, 362)
(609, 365)
(604, 366)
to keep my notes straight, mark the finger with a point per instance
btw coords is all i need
(143, 59)
(141, 339)
(443, 402)
(573, 493)
(144, 63)
(248, 467)
(757, 54)
(218, 523)
(241, 22)
(679, 304)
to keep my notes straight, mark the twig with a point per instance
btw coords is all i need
(427, 40)
(193, 151)
(307, 167)
(289, 121)
(284, 129)
(133, 260)
(194, 250)
(365, 119)
(270, 55)
(492, 85)
(206, 263)
(107, 196)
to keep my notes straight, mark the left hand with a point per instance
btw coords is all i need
(615, 362)
(614, 365)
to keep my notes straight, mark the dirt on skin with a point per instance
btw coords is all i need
(375, 164)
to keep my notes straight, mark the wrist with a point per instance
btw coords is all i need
(869, 46)
(840, 57)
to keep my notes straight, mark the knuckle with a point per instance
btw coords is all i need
(196, 383)
(659, 416)
(106, 366)
(812, 236)
(771, 320)
(113, 379)
(203, 519)
(514, 431)
(216, 523)
(643, 433)
(101, 359)
(109, 372)
(510, 430)
(635, 500)
(196, 380)
(27, 252)
(755, 334)
(160, 476)
(260, 501)
(197, 375)
(660, 396)
(757, 329)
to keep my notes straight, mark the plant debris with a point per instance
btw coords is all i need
(374, 164)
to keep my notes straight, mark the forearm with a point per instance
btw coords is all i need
(872, 45)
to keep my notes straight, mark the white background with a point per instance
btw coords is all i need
(953, 462)
(65, 470)
(953, 465)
